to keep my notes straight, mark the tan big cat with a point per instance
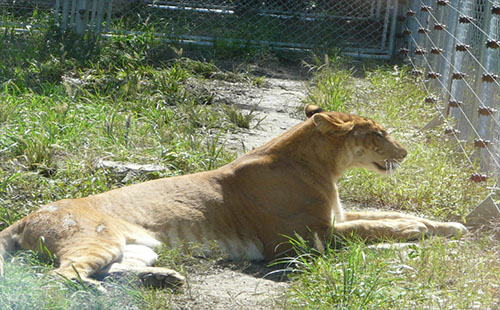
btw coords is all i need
(286, 187)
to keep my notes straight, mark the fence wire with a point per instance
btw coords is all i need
(455, 45)
(360, 27)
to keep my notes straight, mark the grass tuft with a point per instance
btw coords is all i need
(331, 84)
(240, 118)
(431, 274)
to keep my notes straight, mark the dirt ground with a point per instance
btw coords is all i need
(275, 106)
(232, 285)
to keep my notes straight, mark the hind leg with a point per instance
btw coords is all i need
(84, 258)
(138, 260)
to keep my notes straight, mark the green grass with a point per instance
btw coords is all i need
(27, 286)
(433, 274)
(242, 119)
(331, 83)
(62, 112)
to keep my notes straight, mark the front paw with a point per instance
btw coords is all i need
(452, 230)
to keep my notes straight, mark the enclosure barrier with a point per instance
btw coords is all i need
(362, 28)
(454, 46)
(83, 15)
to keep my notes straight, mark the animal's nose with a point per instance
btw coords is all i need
(404, 152)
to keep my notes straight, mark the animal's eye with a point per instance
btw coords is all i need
(379, 134)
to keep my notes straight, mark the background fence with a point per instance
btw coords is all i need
(364, 28)
(455, 47)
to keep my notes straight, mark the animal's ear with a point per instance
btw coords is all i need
(332, 126)
(312, 109)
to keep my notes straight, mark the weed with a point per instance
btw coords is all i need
(26, 286)
(430, 274)
(259, 81)
(337, 279)
(203, 69)
(331, 85)
(241, 118)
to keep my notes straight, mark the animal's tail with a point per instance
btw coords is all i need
(9, 241)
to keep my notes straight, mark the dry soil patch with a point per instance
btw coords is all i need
(275, 106)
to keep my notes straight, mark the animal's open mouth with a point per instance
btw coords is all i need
(381, 167)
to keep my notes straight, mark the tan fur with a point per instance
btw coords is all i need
(285, 187)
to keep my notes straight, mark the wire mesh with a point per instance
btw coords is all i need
(365, 27)
(349, 24)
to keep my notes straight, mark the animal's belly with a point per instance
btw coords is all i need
(206, 239)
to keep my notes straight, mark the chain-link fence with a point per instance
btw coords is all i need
(361, 27)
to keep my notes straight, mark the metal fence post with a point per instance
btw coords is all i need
(82, 15)
(422, 19)
(457, 105)
(65, 14)
(487, 88)
(437, 35)
(93, 16)
(72, 14)
(56, 11)
(392, 34)
(386, 23)
(379, 6)
(413, 15)
(401, 23)
(108, 15)
(102, 5)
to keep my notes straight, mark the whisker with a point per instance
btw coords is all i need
(391, 165)
(388, 166)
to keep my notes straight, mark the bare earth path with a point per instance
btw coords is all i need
(276, 105)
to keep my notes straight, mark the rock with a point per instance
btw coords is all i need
(129, 170)
(485, 213)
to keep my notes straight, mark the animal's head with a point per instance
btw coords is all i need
(367, 142)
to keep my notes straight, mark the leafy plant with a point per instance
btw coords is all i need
(331, 86)
(241, 118)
